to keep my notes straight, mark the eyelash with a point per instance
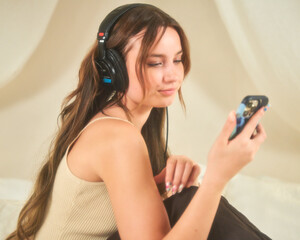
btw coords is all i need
(154, 64)
(178, 61)
(160, 63)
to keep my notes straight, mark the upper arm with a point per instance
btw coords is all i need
(123, 164)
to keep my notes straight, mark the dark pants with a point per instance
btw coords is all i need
(229, 223)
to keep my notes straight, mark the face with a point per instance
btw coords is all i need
(164, 71)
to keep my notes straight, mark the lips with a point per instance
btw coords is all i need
(168, 91)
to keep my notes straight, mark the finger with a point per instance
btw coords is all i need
(252, 123)
(194, 175)
(170, 169)
(260, 136)
(228, 127)
(179, 169)
(186, 175)
(254, 133)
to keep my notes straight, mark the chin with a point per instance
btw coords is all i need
(161, 102)
(164, 104)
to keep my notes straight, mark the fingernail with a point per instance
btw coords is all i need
(180, 188)
(267, 107)
(168, 186)
(231, 116)
(174, 189)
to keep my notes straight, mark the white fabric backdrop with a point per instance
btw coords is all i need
(266, 36)
(22, 25)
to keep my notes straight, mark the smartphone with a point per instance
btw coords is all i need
(248, 107)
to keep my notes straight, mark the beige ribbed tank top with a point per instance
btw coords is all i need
(77, 209)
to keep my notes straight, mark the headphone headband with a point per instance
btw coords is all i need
(108, 23)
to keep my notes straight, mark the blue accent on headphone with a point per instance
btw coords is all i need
(106, 80)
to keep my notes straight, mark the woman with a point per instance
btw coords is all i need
(99, 174)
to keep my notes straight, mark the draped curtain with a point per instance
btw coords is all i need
(22, 27)
(266, 36)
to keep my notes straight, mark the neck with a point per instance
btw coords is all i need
(139, 112)
(139, 115)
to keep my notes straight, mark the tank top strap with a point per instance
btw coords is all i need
(93, 121)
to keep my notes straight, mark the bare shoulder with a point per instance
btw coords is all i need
(114, 141)
(102, 142)
(112, 133)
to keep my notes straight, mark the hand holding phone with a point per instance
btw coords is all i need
(225, 159)
(248, 107)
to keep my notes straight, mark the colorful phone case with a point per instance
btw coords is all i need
(241, 118)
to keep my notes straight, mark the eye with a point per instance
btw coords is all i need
(178, 61)
(154, 64)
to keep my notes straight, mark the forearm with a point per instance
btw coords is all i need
(196, 221)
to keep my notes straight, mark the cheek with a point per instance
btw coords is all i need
(181, 78)
(135, 88)
(154, 78)
(181, 73)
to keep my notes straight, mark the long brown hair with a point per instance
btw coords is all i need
(90, 97)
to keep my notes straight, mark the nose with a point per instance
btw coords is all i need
(172, 73)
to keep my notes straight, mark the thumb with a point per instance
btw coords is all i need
(228, 127)
(160, 178)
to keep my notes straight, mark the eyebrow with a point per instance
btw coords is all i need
(162, 55)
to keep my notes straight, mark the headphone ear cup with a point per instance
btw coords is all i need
(118, 70)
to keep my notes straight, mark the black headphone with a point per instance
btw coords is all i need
(111, 66)
(110, 63)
